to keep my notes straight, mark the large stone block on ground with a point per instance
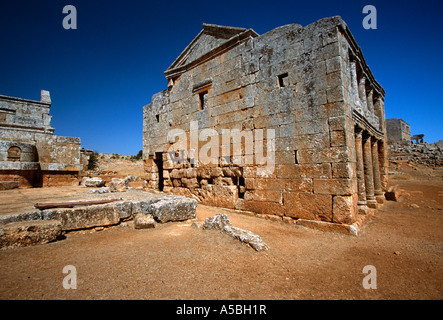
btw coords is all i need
(393, 193)
(28, 233)
(174, 209)
(85, 217)
(8, 185)
(143, 221)
(118, 185)
(94, 182)
(245, 236)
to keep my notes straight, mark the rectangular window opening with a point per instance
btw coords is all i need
(203, 96)
(158, 160)
(241, 187)
(283, 80)
(157, 116)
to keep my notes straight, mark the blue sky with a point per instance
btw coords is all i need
(102, 74)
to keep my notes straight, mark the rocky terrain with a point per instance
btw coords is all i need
(403, 241)
(417, 153)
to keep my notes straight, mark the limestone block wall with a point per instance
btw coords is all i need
(29, 152)
(286, 93)
(398, 131)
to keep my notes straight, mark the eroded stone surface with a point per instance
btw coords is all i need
(28, 233)
(218, 222)
(246, 237)
(303, 95)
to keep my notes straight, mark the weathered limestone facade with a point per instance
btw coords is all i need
(30, 153)
(302, 95)
(398, 131)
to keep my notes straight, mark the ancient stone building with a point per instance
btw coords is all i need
(289, 124)
(398, 131)
(30, 153)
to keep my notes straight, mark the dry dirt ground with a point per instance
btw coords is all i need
(403, 241)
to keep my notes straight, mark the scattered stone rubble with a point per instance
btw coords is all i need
(417, 153)
(221, 222)
(43, 226)
(115, 185)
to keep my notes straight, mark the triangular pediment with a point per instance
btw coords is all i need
(210, 38)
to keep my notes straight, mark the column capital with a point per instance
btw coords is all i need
(358, 131)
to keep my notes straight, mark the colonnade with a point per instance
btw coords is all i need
(369, 182)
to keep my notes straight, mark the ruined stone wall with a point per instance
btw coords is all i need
(398, 131)
(29, 152)
(291, 83)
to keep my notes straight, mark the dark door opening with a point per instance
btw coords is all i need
(158, 159)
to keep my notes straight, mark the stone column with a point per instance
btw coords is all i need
(362, 93)
(354, 83)
(384, 164)
(360, 168)
(378, 112)
(378, 192)
(369, 174)
(370, 101)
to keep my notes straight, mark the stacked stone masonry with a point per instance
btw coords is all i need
(30, 153)
(307, 113)
(398, 131)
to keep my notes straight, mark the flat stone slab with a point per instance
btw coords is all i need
(28, 233)
(350, 229)
(84, 217)
(145, 208)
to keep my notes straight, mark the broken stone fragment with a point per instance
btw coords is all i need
(99, 190)
(118, 185)
(216, 223)
(94, 182)
(245, 236)
(143, 221)
(393, 193)
(177, 209)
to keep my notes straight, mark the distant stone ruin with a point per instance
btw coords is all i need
(398, 131)
(30, 154)
(418, 138)
(289, 124)
(418, 153)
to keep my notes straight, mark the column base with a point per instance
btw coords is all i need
(380, 199)
(363, 209)
(372, 203)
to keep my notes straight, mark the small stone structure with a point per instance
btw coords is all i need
(302, 114)
(418, 138)
(30, 153)
(398, 131)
